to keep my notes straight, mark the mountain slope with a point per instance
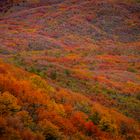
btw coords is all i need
(28, 104)
(89, 52)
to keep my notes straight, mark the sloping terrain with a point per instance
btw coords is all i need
(86, 54)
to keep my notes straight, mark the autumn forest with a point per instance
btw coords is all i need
(69, 70)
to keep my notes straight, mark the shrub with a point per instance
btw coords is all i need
(50, 131)
(95, 117)
(138, 96)
(8, 104)
(131, 70)
(106, 124)
(53, 75)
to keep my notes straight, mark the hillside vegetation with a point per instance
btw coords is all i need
(70, 70)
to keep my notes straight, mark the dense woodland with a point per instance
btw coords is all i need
(70, 70)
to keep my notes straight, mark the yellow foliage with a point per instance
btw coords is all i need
(8, 103)
(108, 124)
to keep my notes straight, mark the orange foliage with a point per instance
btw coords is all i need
(40, 102)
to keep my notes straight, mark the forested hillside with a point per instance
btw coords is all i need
(70, 70)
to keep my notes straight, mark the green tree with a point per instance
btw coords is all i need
(95, 117)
